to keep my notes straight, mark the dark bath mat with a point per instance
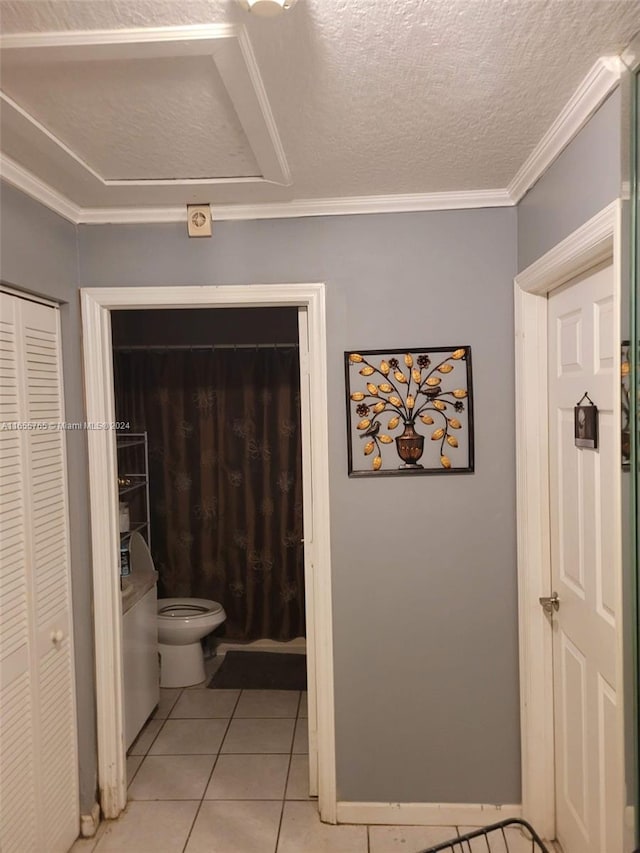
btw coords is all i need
(262, 671)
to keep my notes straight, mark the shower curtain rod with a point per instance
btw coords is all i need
(162, 348)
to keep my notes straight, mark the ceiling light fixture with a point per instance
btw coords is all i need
(267, 8)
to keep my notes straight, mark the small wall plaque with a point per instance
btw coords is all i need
(585, 422)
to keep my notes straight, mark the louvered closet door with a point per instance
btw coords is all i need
(17, 754)
(45, 553)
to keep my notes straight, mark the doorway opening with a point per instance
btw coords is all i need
(308, 300)
(217, 392)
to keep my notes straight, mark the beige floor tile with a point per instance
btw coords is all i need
(302, 830)
(259, 736)
(517, 842)
(190, 737)
(407, 839)
(168, 698)
(236, 827)
(133, 762)
(301, 738)
(204, 703)
(303, 712)
(248, 777)
(143, 742)
(160, 827)
(268, 703)
(298, 782)
(172, 777)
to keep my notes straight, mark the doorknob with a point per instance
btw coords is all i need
(57, 637)
(550, 602)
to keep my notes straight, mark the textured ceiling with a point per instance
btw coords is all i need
(137, 118)
(369, 97)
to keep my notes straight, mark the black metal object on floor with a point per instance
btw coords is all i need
(492, 839)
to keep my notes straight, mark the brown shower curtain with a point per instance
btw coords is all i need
(225, 472)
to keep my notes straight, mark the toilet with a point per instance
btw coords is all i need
(182, 623)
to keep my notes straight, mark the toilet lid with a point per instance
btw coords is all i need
(140, 558)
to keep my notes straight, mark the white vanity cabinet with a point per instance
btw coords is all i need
(140, 661)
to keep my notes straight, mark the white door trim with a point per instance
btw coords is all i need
(596, 241)
(97, 303)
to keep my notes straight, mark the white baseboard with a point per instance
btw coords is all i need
(426, 814)
(89, 823)
(298, 646)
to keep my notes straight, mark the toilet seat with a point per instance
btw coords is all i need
(187, 608)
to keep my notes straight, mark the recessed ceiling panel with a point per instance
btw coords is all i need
(167, 118)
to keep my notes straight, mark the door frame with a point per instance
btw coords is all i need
(597, 241)
(97, 304)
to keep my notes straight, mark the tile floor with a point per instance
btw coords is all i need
(226, 771)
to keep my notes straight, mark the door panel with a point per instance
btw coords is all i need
(585, 536)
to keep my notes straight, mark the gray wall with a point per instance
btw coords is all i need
(424, 574)
(38, 252)
(584, 179)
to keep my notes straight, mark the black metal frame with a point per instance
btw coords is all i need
(423, 471)
(462, 844)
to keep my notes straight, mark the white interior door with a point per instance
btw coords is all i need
(585, 558)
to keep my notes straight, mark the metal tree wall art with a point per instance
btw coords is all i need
(409, 412)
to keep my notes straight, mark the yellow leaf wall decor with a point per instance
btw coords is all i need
(415, 391)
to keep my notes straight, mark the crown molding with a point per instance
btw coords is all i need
(409, 203)
(32, 186)
(28, 183)
(137, 35)
(601, 79)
